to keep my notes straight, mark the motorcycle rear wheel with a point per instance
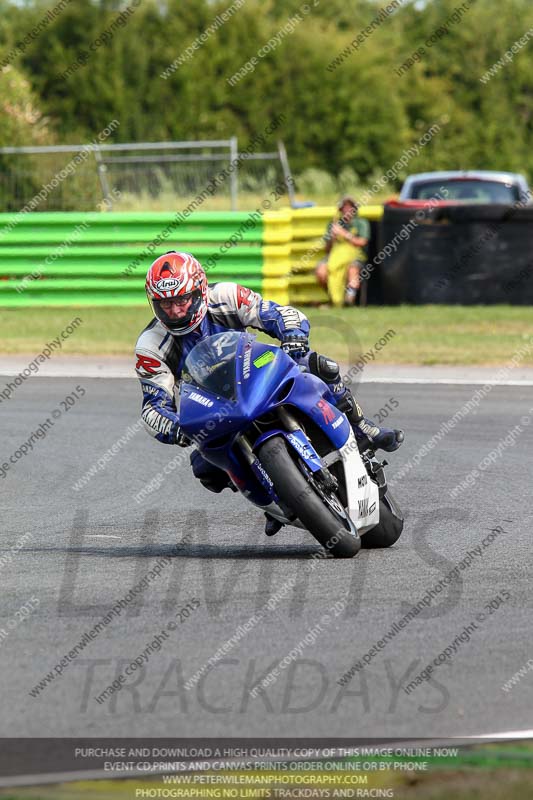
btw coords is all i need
(389, 528)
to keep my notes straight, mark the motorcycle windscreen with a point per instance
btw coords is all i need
(211, 364)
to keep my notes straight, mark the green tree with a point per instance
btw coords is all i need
(362, 115)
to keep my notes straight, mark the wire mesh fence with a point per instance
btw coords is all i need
(35, 182)
(161, 176)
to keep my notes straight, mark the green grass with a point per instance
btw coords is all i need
(423, 334)
(78, 790)
(505, 784)
(168, 200)
(488, 772)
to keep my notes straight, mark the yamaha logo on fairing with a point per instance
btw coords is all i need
(246, 366)
(166, 284)
(199, 398)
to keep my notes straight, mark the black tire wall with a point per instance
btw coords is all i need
(458, 255)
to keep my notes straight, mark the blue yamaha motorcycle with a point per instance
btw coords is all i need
(275, 430)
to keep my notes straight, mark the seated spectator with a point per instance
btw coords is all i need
(346, 238)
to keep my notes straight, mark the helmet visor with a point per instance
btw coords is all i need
(177, 313)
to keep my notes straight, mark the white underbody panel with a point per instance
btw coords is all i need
(363, 494)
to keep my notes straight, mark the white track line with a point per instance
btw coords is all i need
(91, 373)
(122, 368)
(527, 734)
(450, 381)
(75, 373)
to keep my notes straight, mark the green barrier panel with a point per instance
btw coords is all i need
(114, 261)
(96, 252)
(84, 257)
(79, 284)
(83, 292)
(59, 227)
(76, 300)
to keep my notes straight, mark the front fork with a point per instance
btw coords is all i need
(292, 432)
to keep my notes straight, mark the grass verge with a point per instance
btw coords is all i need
(453, 335)
(488, 772)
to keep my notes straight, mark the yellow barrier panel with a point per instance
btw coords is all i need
(293, 245)
(277, 289)
(276, 260)
(291, 225)
(308, 223)
(305, 291)
(277, 226)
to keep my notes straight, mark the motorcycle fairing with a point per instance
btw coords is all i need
(266, 378)
(362, 493)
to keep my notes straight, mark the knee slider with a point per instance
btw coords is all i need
(324, 368)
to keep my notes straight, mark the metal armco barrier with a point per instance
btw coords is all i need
(71, 258)
(458, 255)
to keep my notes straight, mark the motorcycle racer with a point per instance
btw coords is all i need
(186, 310)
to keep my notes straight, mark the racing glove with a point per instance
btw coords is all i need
(295, 344)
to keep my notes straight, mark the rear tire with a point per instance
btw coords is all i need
(298, 495)
(389, 529)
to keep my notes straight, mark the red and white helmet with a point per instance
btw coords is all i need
(177, 277)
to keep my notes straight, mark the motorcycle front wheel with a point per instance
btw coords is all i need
(302, 497)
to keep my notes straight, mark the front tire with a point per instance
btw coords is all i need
(297, 493)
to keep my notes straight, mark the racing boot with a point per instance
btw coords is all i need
(367, 433)
(272, 526)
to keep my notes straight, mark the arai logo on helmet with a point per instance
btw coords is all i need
(166, 284)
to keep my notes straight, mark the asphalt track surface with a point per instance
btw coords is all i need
(83, 550)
